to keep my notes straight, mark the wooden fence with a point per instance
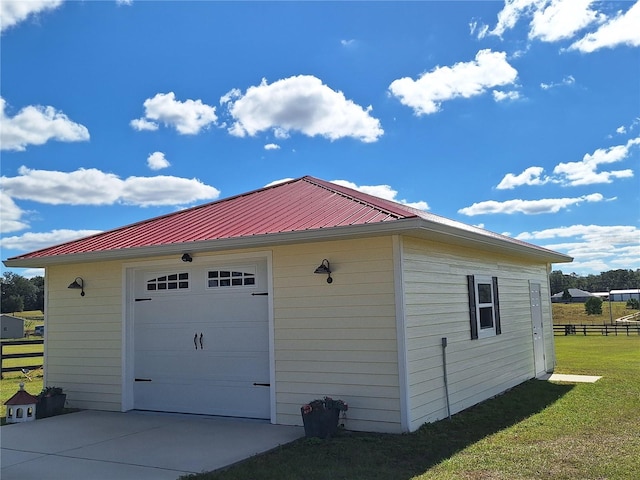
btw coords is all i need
(616, 329)
(6, 356)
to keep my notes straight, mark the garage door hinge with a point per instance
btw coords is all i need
(256, 294)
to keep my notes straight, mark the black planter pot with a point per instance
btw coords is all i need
(50, 406)
(320, 423)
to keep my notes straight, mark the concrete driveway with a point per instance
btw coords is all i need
(94, 445)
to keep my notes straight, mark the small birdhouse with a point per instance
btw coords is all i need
(21, 407)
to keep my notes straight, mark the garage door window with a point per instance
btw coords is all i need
(173, 281)
(245, 277)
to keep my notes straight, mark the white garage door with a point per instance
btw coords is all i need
(201, 340)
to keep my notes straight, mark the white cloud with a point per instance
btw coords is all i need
(165, 190)
(303, 104)
(478, 27)
(157, 161)
(500, 96)
(277, 182)
(557, 20)
(31, 272)
(576, 173)
(530, 176)
(465, 79)
(272, 146)
(568, 80)
(562, 19)
(31, 241)
(511, 13)
(141, 124)
(528, 207)
(585, 172)
(13, 12)
(188, 117)
(382, 191)
(124, 2)
(623, 29)
(550, 20)
(10, 215)
(595, 247)
(621, 130)
(36, 125)
(94, 187)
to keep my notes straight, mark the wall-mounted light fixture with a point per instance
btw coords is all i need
(187, 258)
(78, 284)
(324, 268)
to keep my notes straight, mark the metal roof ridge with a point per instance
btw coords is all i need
(387, 206)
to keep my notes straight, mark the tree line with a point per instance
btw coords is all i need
(605, 281)
(20, 293)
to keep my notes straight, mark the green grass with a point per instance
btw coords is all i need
(536, 430)
(575, 314)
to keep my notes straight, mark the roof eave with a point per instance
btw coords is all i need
(410, 226)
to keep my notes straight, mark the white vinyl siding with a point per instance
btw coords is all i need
(337, 339)
(436, 306)
(84, 335)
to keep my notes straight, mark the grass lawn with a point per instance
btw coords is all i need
(574, 313)
(536, 430)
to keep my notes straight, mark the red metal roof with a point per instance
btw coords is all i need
(304, 204)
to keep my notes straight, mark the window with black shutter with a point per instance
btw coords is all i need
(484, 306)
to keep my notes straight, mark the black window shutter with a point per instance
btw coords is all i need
(496, 305)
(472, 306)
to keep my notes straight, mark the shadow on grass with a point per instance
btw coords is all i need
(353, 455)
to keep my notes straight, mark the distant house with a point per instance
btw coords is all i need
(577, 296)
(12, 327)
(624, 295)
(254, 305)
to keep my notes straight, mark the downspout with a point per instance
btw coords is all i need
(444, 368)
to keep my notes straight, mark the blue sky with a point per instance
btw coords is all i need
(522, 117)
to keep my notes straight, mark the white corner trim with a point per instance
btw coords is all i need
(401, 331)
(272, 343)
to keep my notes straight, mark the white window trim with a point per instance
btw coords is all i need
(485, 332)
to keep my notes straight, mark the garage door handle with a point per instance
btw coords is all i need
(261, 384)
(142, 379)
(201, 346)
(259, 294)
(195, 340)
